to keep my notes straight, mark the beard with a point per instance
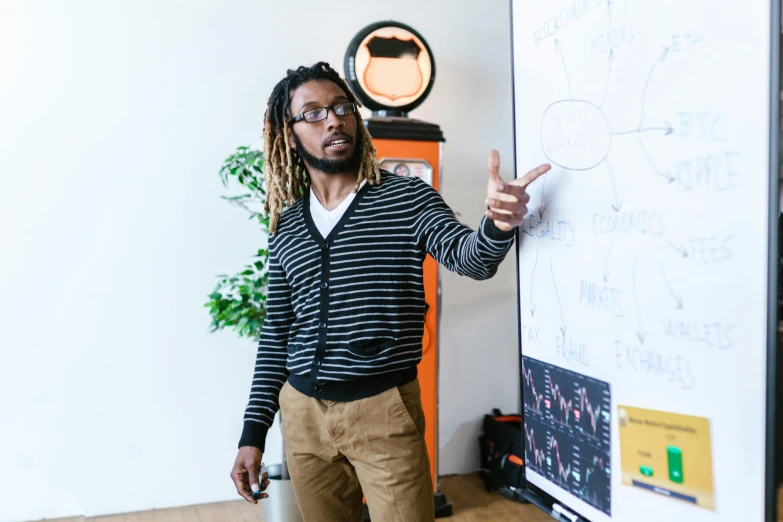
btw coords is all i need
(329, 166)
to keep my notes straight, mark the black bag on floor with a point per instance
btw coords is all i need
(502, 455)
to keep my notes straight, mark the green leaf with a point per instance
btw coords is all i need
(239, 302)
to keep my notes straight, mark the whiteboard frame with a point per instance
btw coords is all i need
(771, 460)
(543, 500)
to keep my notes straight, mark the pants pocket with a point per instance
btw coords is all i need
(280, 395)
(409, 399)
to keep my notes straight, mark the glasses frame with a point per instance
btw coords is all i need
(301, 116)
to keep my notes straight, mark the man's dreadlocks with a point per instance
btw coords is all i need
(284, 171)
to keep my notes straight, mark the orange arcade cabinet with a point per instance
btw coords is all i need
(390, 69)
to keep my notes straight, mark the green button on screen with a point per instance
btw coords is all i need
(646, 471)
(674, 456)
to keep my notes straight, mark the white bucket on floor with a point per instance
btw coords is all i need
(281, 505)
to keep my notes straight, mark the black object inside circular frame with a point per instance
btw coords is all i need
(353, 82)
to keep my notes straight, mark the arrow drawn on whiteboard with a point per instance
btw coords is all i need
(532, 306)
(668, 129)
(640, 333)
(559, 51)
(611, 53)
(609, 74)
(660, 59)
(617, 205)
(563, 327)
(606, 264)
(681, 250)
(677, 299)
(542, 208)
(666, 175)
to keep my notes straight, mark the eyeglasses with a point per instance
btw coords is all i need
(321, 113)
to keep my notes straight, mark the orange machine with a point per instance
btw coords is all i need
(390, 69)
(414, 148)
(392, 154)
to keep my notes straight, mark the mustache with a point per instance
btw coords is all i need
(336, 135)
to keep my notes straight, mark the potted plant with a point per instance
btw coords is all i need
(238, 302)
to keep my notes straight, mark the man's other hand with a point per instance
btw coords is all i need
(245, 473)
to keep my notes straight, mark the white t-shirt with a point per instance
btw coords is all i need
(325, 220)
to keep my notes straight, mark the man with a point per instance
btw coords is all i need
(345, 307)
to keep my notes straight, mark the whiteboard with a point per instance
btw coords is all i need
(644, 262)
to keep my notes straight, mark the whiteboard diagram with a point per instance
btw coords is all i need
(576, 135)
(644, 260)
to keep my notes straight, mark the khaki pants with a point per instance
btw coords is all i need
(339, 451)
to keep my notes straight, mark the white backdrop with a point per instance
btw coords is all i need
(114, 118)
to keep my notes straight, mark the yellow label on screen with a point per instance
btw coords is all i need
(667, 453)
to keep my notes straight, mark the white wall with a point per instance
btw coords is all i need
(114, 119)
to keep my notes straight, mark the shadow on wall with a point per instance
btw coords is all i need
(465, 436)
(479, 370)
(470, 135)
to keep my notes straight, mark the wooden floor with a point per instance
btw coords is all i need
(471, 504)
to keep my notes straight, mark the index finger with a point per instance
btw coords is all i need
(494, 164)
(533, 175)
